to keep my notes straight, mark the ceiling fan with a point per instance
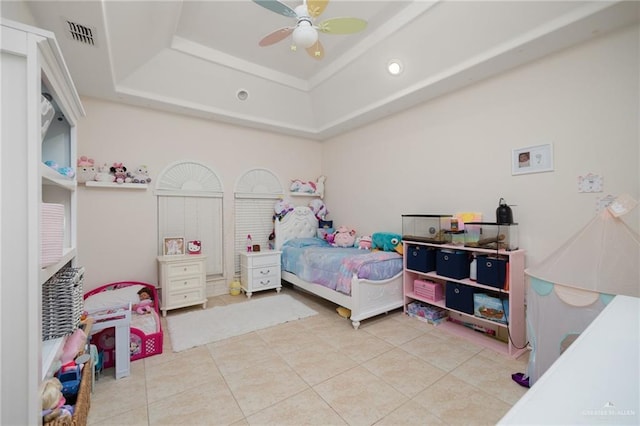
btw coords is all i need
(305, 32)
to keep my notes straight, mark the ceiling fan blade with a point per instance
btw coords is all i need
(276, 36)
(342, 25)
(316, 51)
(277, 7)
(316, 7)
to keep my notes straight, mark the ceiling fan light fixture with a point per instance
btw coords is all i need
(394, 67)
(305, 35)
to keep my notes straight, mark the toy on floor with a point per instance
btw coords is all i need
(343, 312)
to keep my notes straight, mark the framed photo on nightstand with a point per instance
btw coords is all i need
(172, 246)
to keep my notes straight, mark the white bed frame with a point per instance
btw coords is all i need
(368, 298)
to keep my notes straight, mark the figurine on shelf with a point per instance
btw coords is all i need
(103, 174)
(119, 172)
(86, 169)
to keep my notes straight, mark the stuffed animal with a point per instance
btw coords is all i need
(144, 307)
(64, 171)
(103, 174)
(365, 242)
(140, 175)
(386, 241)
(344, 237)
(86, 169)
(319, 209)
(298, 185)
(281, 208)
(53, 402)
(119, 172)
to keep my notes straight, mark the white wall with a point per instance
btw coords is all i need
(454, 154)
(117, 229)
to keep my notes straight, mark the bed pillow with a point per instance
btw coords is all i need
(306, 242)
(109, 298)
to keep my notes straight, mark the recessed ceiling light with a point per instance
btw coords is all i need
(242, 95)
(394, 67)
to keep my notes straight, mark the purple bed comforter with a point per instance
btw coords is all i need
(314, 260)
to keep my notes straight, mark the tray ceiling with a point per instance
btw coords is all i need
(194, 57)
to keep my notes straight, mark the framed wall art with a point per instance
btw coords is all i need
(532, 159)
(172, 246)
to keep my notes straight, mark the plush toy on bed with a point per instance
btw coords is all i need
(344, 237)
(365, 242)
(386, 241)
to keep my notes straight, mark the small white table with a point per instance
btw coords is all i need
(260, 270)
(120, 319)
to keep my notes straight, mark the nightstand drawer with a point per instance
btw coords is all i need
(187, 297)
(264, 260)
(265, 282)
(180, 284)
(184, 268)
(266, 271)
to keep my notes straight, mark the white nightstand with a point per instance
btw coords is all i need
(183, 281)
(260, 270)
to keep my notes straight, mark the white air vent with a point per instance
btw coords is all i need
(81, 33)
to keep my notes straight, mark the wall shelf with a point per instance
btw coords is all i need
(113, 185)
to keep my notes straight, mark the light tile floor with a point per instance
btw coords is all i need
(394, 370)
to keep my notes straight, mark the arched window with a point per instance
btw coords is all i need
(255, 195)
(189, 196)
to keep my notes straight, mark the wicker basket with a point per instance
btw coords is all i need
(83, 401)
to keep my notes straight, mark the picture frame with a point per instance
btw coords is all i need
(173, 246)
(532, 159)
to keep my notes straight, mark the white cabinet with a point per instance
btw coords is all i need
(183, 281)
(260, 270)
(31, 64)
(508, 338)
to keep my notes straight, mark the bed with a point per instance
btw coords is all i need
(145, 330)
(365, 297)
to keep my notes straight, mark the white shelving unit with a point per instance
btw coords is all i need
(32, 64)
(514, 333)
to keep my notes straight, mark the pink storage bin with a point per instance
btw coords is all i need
(428, 290)
(51, 233)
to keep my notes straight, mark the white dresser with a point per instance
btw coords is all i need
(182, 281)
(260, 271)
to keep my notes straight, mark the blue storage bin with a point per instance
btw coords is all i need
(491, 271)
(421, 258)
(459, 297)
(452, 264)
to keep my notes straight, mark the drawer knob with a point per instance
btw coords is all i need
(185, 269)
(263, 272)
(185, 283)
(265, 282)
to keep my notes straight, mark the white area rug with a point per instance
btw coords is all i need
(221, 322)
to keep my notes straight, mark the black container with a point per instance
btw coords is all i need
(459, 297)
(503, 212)
(421, 258)
(453, 264)
(491, 271)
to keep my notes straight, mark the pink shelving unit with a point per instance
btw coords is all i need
(506, 338)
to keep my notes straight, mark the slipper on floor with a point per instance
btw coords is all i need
(521, 379)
